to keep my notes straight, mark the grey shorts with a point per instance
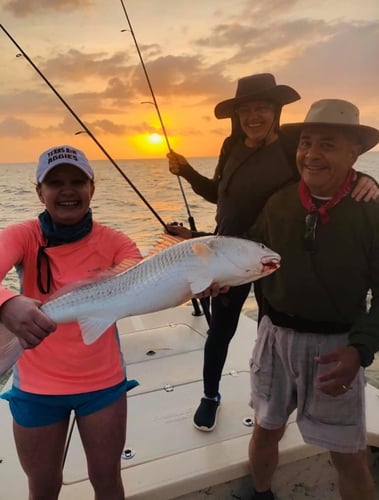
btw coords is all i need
(283, 378)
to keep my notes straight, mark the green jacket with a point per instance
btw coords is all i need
(331, 284)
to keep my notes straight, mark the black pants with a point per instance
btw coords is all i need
(225, 309)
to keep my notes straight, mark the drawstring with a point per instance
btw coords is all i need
(43, 258)
(57, 234)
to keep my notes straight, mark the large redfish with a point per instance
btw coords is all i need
(160, 281)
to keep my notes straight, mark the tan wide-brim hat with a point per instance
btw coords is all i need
(256, 87)
(336, 113)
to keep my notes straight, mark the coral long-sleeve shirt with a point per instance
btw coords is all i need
(62, 363)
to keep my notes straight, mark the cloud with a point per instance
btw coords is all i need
(25, 8)
(19, 128)
(75, 65)
(108, 127)
(26, 102)
(343, 66)
(179, 75)
(254, 44)
(102, 126)
(120, 83)
(260, 12)
(318, 58)
(151, 50)
(13, 127)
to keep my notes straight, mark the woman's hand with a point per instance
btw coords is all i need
(366, 189)
(179, 230)
(22, 316)
(177, 164)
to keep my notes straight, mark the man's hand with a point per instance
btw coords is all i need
(212, 291)
(346, 364)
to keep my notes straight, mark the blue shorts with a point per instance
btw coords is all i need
(36, 410)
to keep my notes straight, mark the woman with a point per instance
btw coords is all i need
(57, 373)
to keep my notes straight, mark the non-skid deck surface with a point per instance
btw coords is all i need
(164, 352)
(160, 424)
(167, 361)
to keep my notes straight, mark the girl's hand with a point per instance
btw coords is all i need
(22, 316)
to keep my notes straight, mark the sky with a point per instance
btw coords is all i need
(193, 52)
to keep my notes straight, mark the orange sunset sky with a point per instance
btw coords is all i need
(194, 52)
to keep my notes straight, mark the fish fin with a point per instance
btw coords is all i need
(10, 349)
(198, 272)
(201, 250)
(93, 327)
(119, 268)
(164, 241)
(199, 283)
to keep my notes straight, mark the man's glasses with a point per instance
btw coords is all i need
(311, 221)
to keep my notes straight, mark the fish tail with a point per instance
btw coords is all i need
(10, 349)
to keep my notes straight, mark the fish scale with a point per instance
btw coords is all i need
(162, 278)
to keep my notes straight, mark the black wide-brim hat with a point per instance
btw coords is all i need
(256, 87)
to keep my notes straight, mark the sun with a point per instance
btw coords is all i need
(151, 144)
(155, 139)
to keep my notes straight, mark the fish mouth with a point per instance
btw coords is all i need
(270, 264)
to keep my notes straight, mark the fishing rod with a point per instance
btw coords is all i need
(84, 126)
(191, 220)
(100, 146)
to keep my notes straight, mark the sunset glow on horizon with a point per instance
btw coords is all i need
(151, 145)
(194, 54)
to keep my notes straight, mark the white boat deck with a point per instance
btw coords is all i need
(169, 457)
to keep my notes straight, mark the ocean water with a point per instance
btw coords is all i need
(115, 203)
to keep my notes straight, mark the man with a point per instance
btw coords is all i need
(253, 164)
(317, 332)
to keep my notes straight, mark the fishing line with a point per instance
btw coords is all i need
(84, 126)
(191, 220)
(100, 146)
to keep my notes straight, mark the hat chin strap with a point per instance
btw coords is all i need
(275, 122)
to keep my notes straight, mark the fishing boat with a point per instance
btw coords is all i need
(165, 457)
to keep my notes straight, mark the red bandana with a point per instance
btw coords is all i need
(307, 201)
